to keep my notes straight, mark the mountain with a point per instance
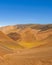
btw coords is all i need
(28, 35)
(18, 28)
(7, 42)
(41, 55)
(28, 44)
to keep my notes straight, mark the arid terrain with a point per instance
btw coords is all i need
(26, 44)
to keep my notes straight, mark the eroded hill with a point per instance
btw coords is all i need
(32, 44)
(28, 35)
(7, 44)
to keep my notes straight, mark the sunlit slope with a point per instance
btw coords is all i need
(37, 43)
(41, 55)
(28, 35)
(7, 42)
(20, 27)
(30, 39)
(4, 50)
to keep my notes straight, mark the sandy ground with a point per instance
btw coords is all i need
(34, 56)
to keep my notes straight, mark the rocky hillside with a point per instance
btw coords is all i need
(28, 34)
(28, 44)
(34, 31)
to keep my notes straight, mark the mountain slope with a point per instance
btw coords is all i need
(19, 28)
(7, 42)
(28, 35)
(4, 50)
(41, 55)
(36, 38)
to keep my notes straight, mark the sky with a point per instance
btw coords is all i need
(25, 12)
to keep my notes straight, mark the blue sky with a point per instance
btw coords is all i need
(25, 11)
